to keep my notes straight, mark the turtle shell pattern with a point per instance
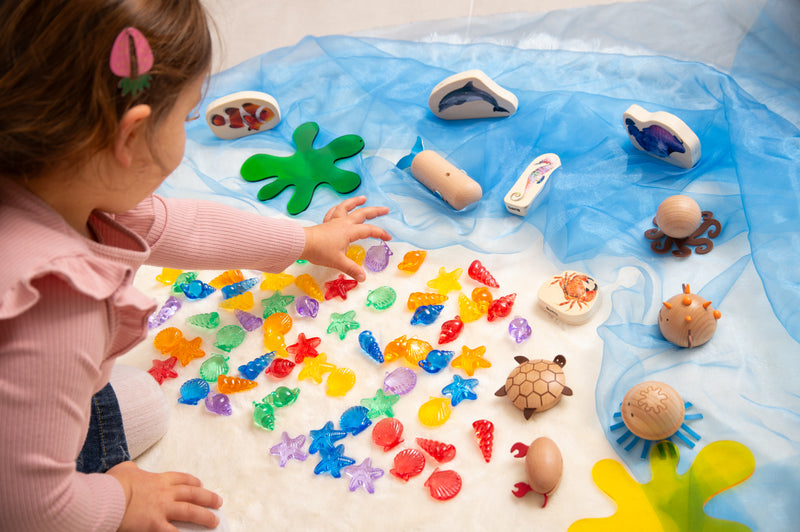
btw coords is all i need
(536, 385)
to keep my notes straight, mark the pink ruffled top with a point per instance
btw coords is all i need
(68, 308)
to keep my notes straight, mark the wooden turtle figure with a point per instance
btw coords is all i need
(535, 385)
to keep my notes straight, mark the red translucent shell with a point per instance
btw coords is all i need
(408, 463)
(442, 452)
(444, 485)
(387, 433)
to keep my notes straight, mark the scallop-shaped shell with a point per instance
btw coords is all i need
(394, 349)
(354, 420)
(381, 298)
(340, 381)
(426, 314)
(238, 302)
(388, 433)
(444, 485)
(228, 337)
(435, 411)
(306, 306)
(219, 403)
(213, 367)
(227, 277)
(169, 275)
(276, 281)
(356, 253)
(400, 381)
(408, 463)
(278, 323)
(192, 391)
(377, 257)
(249, 322)
(416, 350)
(167, 339)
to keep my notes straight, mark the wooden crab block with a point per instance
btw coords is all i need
(471, 94)
(530, 184)
(662, 135)
(242, 113)
(570, 297)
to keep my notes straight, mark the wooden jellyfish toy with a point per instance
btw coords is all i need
(680, 222)
(688, 320)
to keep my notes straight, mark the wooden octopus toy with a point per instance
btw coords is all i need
(680, 222)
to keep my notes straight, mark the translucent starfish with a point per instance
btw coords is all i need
(446, 282)
(332, 461)
(460, 389)
(304, 347)
(315, 367)
(324, 438)
(289, 448)
(162, 369)
(380, 404)
(471, 359)
(277, 302)
(363, 475)
(339, 287)
(306, 169)
(341, 323)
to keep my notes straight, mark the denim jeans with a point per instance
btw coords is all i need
(105, 444)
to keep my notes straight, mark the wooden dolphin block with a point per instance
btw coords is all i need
(471, 94)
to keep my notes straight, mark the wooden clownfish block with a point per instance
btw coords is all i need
(242, 113)
(453, 185)
(662, 135)
(471, 94)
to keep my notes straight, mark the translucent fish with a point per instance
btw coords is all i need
(435, 411)
(306, 306)
(229, 337)
(478, 272)
(443, 485)
(369, 345)
(227, 277)
(168, 276)
(356, 253)
(213, 367)
(249, 322)
(412, 261)
(167, 310)
(426, 314)
(197, 289)
(229, 384)
(238, 288)
(219, 403)
(408, 463)
(309, 285)
(381, 298)
(436, 360)
(340, 381)
(354, 420)
(388, 433)
(400, 381)
(276, 281)
(418, 299)
(377, 257)
(519, 329)
(253, 369)
(193, 391)
(501, 307)
(244, 301)
(208, 320)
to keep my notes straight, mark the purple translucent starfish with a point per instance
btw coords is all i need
(289, 448)
(363, 475)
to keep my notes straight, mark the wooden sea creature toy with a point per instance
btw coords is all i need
(530, 185)
(445, 180)
(543, 466)
(571, 297)
(679, 222)
(662, 135)
(535, 385)
(471, 94)
(688, 320)
(242, 113)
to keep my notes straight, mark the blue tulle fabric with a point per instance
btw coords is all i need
(604, 197)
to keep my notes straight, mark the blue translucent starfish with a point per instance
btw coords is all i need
(332, 461)
(275, 303)
(306, 169)
(341, 323)
(460, 389)
(324, 438)
(289, 448)
(363, 475)
(380, 405)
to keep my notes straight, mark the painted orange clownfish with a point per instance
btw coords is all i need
(248, 115)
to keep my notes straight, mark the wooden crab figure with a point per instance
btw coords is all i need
(535, 385)
(653, 411)
(680, 222)
(543, 466)
(688, 320)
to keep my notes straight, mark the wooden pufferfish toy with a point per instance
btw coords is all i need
(688, 320)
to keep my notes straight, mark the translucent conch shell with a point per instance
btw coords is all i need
(243, 301)
(418, 299)
(228, 384)
(309, 285)
(227, 277)
(276, 281)
(395, 349)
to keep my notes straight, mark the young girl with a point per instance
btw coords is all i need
(81, 152)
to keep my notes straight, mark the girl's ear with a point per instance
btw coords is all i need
(130, 134)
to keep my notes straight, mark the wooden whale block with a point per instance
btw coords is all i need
(662, 135)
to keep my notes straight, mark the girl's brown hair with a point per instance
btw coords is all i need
(59, 101)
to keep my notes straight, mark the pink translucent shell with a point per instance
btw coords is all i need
(120, 60)
(444, 485)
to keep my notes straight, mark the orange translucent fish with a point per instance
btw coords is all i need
(340, 381)
(276, 281)
(412, 261)
(277, 323)
(395, 349)
(419, 299)
(226, 278)
(468, 310)
(309, 285)
(168, 276)
(242, 302)
(356, 253)
(230, 384)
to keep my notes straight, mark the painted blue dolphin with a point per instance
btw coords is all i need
(469, 93)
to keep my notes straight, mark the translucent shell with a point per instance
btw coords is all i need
(441, 452)
(395, 349)
(226, 278)
(356, 253)
(282, 396)
(162, 369)
(451, 329)
(484, 434)
(354, 420)
(400, 381)
(171, 342)
(213, 367)
(377, 257)
(342, 323)
(277, 343)
(436, 360)
(388, 433)
(468, 310)
(229, 384)
(408, 463)
(280, 368)
(306, 306)
(416, 350)
(426, 314)
(238, 288)
(309, 285)
(219, 403)
(444, 485)
(183, 278)
(478, 272)
(278, 323)
(228, 337)
(249, 322)
(369, 345)
(381, 298)
(167, 310)
(168, 276)
(197, 289)
(276, 281)
(412, 261)
(264, 415)
(275, 303)
(519, 329)
(167, 339)
(501, 307)
(238, 302)
(435, 411)
(193, 391)
(340, 381)
(209, 320)
(418, 299)
(315, 367)
(304, 347)
(253, 369)
(483, 297)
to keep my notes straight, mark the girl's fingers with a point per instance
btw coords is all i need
(191, 513)
(175, 478)
(199, 496)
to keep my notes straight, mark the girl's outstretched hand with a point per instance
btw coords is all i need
(327, 243)
(153, 500)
